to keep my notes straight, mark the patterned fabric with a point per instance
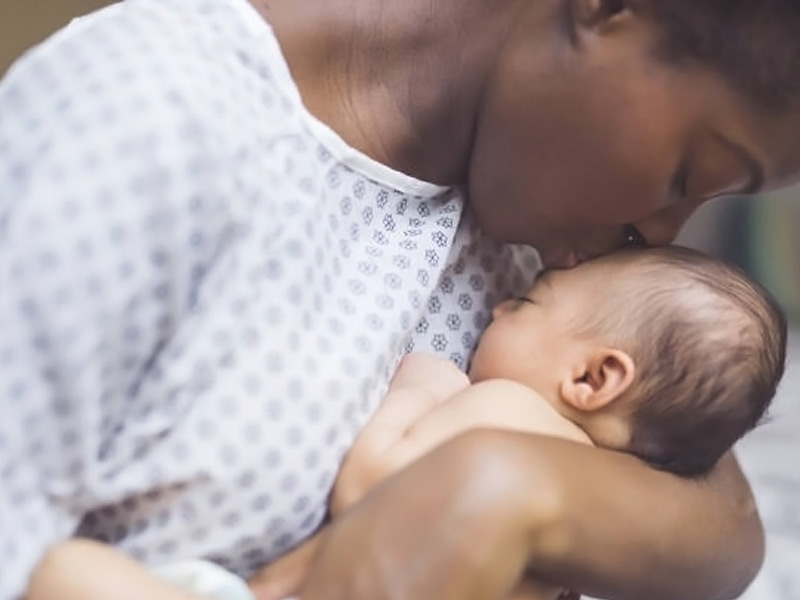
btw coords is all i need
(204, 290)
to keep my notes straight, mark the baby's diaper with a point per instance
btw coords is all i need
(205, 579)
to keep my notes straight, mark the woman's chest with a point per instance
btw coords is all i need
(239, 426)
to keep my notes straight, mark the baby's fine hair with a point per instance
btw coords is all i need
(709, 346)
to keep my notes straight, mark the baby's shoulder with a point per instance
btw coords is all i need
(437, 375)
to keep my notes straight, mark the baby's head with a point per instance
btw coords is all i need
(665, 353)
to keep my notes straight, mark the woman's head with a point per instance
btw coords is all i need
(605, 112)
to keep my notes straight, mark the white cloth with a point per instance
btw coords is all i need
(205, 579)
(203, 290)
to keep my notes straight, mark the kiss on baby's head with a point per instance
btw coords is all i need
(664, 353)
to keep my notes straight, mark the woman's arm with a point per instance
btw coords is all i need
(465, 522)
(626, 531)
(409, 424)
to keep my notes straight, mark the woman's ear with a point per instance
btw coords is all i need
(601, 379)
(595, 14)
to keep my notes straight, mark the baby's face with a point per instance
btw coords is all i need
(532, 339)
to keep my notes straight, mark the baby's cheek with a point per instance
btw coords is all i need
(491, 360)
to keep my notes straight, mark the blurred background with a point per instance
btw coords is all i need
(761, 234)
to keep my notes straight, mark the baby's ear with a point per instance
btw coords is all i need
(603, 377)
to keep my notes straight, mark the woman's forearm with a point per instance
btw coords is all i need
(606, 524)
(479, 513)
(86, 570)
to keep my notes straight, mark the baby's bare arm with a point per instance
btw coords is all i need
(86, 570)
(421, 383)
(430, 402)
(412, 421)
(493, 404)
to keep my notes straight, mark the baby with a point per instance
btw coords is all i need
(663, 353)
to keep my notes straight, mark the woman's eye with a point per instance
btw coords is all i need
(633, 238)
(525, 300)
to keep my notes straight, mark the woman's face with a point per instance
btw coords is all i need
(596, 132)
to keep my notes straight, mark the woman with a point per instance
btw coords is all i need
(194, 276)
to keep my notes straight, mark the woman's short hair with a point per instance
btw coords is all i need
(753, 44)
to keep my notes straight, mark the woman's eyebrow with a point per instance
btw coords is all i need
(755, 169)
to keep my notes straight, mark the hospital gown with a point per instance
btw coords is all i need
(203, 290)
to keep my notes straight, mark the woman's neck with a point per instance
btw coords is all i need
(400, 81)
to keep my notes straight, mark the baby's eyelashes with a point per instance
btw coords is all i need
(509, 306)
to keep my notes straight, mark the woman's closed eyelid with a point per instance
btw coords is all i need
(680, 182)
(633, 238)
